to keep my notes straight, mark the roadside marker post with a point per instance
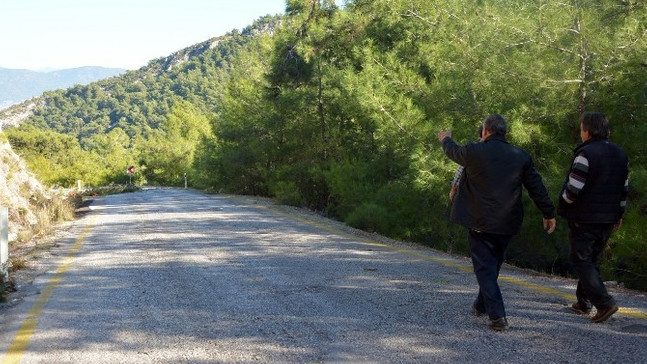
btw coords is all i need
(4, 244)
(130, 170)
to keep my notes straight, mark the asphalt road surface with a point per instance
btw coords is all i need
(177, 276)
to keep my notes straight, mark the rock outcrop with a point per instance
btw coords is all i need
(19, 191)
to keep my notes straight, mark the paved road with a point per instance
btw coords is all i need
(176, 276)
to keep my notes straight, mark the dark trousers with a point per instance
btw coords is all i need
(587, 245)
(488, 254)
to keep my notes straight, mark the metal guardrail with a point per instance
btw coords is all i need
(4, 244)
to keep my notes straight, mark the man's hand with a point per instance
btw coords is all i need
(549, 225)
(444, 134)
(452, 192)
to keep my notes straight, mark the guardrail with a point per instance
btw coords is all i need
(4, 244)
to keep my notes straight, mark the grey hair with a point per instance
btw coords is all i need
(496, 124)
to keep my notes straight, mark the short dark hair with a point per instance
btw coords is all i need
(596, 124)
(495, 124)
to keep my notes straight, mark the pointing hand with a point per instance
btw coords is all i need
(444, 134)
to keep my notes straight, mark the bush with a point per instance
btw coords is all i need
(370, 217)
(286, 193)
(625, 258)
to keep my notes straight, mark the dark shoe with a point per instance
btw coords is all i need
(500, 324)
(604, 313)
(579, 309)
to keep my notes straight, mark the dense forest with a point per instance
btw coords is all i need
(337, 109)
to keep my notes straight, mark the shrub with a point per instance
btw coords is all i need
(370, 217)
(286, 193)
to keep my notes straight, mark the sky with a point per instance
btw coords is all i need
(57, 34)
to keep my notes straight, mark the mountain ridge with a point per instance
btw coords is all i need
(18, 85)
(171, 68)
(14, 113)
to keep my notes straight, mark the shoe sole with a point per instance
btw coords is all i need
(606, 315)
(499, 326)
(579, 311)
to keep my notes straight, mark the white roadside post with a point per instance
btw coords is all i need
(4, 244)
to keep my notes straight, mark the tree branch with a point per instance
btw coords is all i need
(411, 13)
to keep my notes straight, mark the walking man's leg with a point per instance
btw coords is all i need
(587, 246)
(488, 253)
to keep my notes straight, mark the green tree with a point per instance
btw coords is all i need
(168, 154)
(57, 159)
(249, 135)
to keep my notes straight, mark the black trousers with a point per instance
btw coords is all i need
(488, 254)
(587, 245)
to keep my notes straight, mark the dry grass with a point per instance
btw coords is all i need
(49, 213)
(17, 263)
(52, 212)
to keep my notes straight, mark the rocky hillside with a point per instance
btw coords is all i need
(14, 115)
(19, 191)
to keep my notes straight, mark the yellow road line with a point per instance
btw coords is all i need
(449, 263)
(21, 341)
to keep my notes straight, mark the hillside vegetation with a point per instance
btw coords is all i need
(338, 110)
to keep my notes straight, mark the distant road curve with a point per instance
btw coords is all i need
(178, 276)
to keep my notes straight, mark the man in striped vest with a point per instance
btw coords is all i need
(593, 202)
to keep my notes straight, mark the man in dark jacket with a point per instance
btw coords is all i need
(593, 201)
(489, 205)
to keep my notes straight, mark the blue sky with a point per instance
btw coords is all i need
(56, 34)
